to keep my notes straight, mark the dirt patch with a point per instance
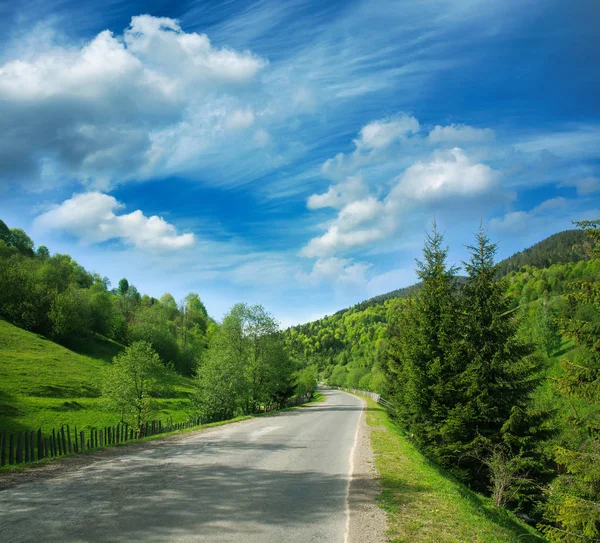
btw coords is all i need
(368, 522)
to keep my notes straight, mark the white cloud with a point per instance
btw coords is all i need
(240, 119)
(584, 186)
(364, 220)
(517, 222)
(339, 195)
(448, 173)
(380, 134)
(91, 217)
(460, 134)
(119, 107)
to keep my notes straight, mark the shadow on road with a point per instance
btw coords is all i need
(169, 504)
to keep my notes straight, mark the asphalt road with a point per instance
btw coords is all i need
(276, 479)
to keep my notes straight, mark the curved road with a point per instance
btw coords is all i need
(272, 479)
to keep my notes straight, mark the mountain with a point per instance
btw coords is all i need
(560, 248)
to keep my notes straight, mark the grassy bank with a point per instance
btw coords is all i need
(45, 385)
(424, 504)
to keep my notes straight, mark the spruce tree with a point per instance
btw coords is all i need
(500, 372)
(420, 364)
(573, 510)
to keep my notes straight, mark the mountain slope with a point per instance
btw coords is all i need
(44, 385)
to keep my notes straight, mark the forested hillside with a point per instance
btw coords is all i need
(347, 346)
(89, 354)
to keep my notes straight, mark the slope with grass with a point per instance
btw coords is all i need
(44, 385)
(424, 504)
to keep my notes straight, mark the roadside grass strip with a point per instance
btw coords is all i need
(426, 504)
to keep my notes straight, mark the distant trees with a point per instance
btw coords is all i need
(135, 376)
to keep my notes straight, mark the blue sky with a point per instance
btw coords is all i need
(294, 153)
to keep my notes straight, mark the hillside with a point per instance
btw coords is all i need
(45, 385)
(559, 248)
(348, 346)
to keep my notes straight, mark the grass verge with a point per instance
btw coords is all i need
(424, 504)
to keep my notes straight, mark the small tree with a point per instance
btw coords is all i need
(129, 383)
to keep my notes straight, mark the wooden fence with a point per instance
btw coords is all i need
(31, 445)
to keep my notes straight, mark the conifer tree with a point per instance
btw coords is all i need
(494, 411)
(420, 356)
(574, 505)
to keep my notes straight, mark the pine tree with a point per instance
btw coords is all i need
(574, 505)
(420, 355)
(494, 412)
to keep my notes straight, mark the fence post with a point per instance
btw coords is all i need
(69, 444)
(11, 449)
(26, 445)
(82, 440)
(53, 442)
(31, 445)
(3, 448)
(40, 444)
(19, 447)
(64, 441)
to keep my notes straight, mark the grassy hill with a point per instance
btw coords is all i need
(44, 385)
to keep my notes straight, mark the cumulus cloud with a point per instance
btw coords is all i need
(364, 219)
(339, 195)
(99, 112)
(91, 217)
(448, 173)
(380, 134)
(374, 144)
(460, 134)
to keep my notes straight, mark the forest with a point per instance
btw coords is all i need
(493, 374)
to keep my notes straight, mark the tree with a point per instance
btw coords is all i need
(21, 241)
(500, 373)
(123, 287)
(248, 360)
(42, 252)
(573, 511)
(421, 362)
(70, 314)
(134, 376)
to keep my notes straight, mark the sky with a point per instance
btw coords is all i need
(294, 154)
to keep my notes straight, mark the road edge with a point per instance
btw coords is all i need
(367, 521)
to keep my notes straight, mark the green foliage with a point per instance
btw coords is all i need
(564, 247)
(422, 365)
(246, 366)
(573, 512)
(136, 375)
(55, 296)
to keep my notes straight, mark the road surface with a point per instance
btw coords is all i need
(278, 479)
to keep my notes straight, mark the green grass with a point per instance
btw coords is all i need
(44, 385)
(424, 504)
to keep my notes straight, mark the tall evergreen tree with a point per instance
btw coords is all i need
(500, 374)
(574, 505)
(421, 360)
